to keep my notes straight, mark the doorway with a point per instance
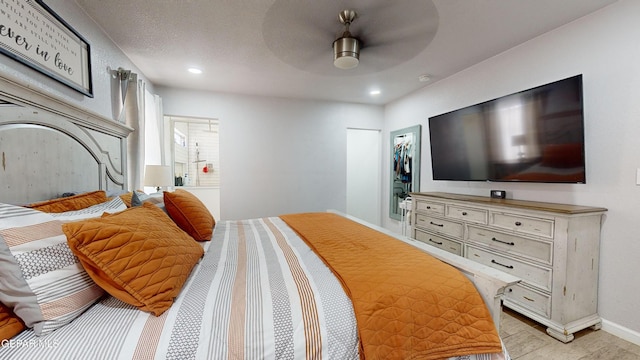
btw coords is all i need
(364, 158)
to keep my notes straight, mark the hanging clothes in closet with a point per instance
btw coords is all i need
(402, 160)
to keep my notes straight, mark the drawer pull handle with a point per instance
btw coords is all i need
(436, 242)
(529, 299)
(428, 207)
(518, 223)
(464, 213)
(503, 242)
(432, 223)
(497, 263)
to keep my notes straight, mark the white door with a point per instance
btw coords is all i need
(363, 174)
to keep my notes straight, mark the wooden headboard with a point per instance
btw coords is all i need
(44, 154)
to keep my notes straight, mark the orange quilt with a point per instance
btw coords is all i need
(408, 305)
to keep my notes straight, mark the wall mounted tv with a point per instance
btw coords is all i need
(536, 135)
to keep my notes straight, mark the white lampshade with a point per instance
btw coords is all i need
(158, 176)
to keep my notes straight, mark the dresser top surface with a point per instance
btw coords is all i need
(523, 204)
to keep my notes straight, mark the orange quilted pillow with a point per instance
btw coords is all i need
(10, 323)
(70, 203)
(190, 214)
(138, 255)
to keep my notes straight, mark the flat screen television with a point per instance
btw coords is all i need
(536, 135)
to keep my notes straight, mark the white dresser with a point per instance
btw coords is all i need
(553, 248)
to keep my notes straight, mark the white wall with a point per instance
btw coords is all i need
(104, 56)
(277, 155)
(364, 195)
(604, 47)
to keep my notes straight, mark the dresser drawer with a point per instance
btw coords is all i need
(523, 224)
(536, 275)
(441, 226)
(530, 299)
(467, 214)
(445, 244)
(429, 207)
(533, 249)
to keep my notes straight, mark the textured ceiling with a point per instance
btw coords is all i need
(283, 47)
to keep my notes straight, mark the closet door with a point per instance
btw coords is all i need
(363, 174)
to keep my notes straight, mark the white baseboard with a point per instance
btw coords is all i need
(621, 332)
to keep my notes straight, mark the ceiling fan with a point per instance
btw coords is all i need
(346, 49)
(375, 35)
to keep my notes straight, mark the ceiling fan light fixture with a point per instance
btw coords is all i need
(346, 53)
(346, 49)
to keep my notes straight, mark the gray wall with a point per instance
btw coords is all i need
(277, 155)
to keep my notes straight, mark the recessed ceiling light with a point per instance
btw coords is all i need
(194, 70)
(374, 92)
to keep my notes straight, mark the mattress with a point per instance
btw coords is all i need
(259, 292)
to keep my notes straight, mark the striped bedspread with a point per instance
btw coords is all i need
(259, 292)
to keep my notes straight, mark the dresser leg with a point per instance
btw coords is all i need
(562, 336)
(597, 326)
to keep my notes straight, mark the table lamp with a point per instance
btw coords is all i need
(158, 176)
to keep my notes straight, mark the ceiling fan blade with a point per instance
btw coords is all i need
(390, 33)
(395, 24)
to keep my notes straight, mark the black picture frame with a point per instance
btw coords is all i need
(33, 34)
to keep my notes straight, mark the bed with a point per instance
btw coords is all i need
(278, 287)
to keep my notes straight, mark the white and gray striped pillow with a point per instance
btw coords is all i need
(42, 280)
(112, 206)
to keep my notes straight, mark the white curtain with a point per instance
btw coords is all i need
(156, 104)
(133, 115)
(141, 111)
(154, 154)
(154, 134)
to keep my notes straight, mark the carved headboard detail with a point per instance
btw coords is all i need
(44, 154)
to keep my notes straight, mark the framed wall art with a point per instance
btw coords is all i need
(31, 33)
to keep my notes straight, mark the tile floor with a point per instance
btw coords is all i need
(528, 340)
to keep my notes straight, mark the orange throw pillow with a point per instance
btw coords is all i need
(138, 255)
(10, 323)
(190, 214)
(70, 203)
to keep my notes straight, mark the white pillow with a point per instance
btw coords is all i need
(112, 206)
